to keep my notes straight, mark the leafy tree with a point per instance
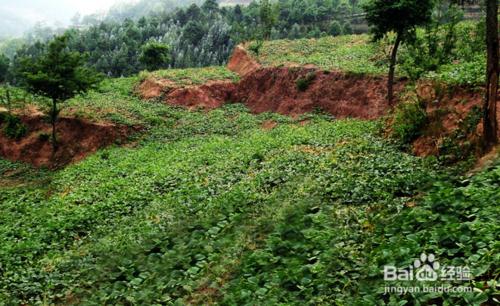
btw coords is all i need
(193, 12)
(490, 102)
(4, 68)
(59, 75)
(400, 17)
(193, 32)
(335, 28)
(267, 18)
(155, 55)
(210, 6)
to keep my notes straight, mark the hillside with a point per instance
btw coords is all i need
(270, 182)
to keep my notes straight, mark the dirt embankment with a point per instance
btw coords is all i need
(242, 63)
(76, 138)
(285, 90)
(207, 96)
(294, 91)
(297, 90)
(453, 112)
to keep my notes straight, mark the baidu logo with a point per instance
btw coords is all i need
(426, 268)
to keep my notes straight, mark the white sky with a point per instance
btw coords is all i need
(53, 10)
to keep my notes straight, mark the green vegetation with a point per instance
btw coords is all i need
(193, 76)
(230, 208)
(201, 34)
(409, 120)
(350, 53)
(12, 126)
(115, 101)
(398, 17)
(210, 182)
(303, 83)
(155, 55)
(211, 208)
(4, 68)
(57, 74)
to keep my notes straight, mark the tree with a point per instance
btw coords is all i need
(155, 55)
(267, 18)
(400, 17)
(193, 32)
(57, 74)
(4, 68)
(210, 6)
(335, 28)
(490, 123)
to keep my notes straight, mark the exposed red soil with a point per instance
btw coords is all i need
(342, 95)
(153, 88)
(242, 63)
(446, 109)
(275, 90)
(208, 96)
(269, 125)
(76, 139)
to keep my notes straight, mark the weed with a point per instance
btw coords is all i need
(13, 127)
(409, 120)
(304, 82)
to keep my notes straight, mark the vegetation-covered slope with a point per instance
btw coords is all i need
(230, 208)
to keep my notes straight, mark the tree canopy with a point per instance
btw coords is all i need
(155, 55)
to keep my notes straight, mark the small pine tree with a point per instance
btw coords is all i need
(57, 74)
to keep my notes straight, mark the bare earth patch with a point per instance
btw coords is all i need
(77, 139)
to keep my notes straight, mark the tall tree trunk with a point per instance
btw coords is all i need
(490, 101)
(53, 121)
(392, 68)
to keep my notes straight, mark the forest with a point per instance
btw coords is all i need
(199, 35)
(287, 152)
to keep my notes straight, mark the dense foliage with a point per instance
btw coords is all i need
(155, 55)
(198, 35)
(4, 68)
(212, 208)
(57, 74)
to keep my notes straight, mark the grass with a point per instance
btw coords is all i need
(350, 53)
(211, 208)
(157, 223)
(193, 76)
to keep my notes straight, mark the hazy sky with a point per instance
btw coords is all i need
(52, 10)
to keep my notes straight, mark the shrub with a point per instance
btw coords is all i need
(44, 137)
(303, 83)
(12, 126)
(409, 119)
(335, 28)
(256, 46)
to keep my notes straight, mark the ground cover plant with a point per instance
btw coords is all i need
(211, 208)
(349, 53)
(463, 64)
(193, 76)
(230, 208)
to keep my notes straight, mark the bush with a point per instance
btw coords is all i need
(12, 126)
(335, 28)
(409, 119)
(256, 46)
(303, 83)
